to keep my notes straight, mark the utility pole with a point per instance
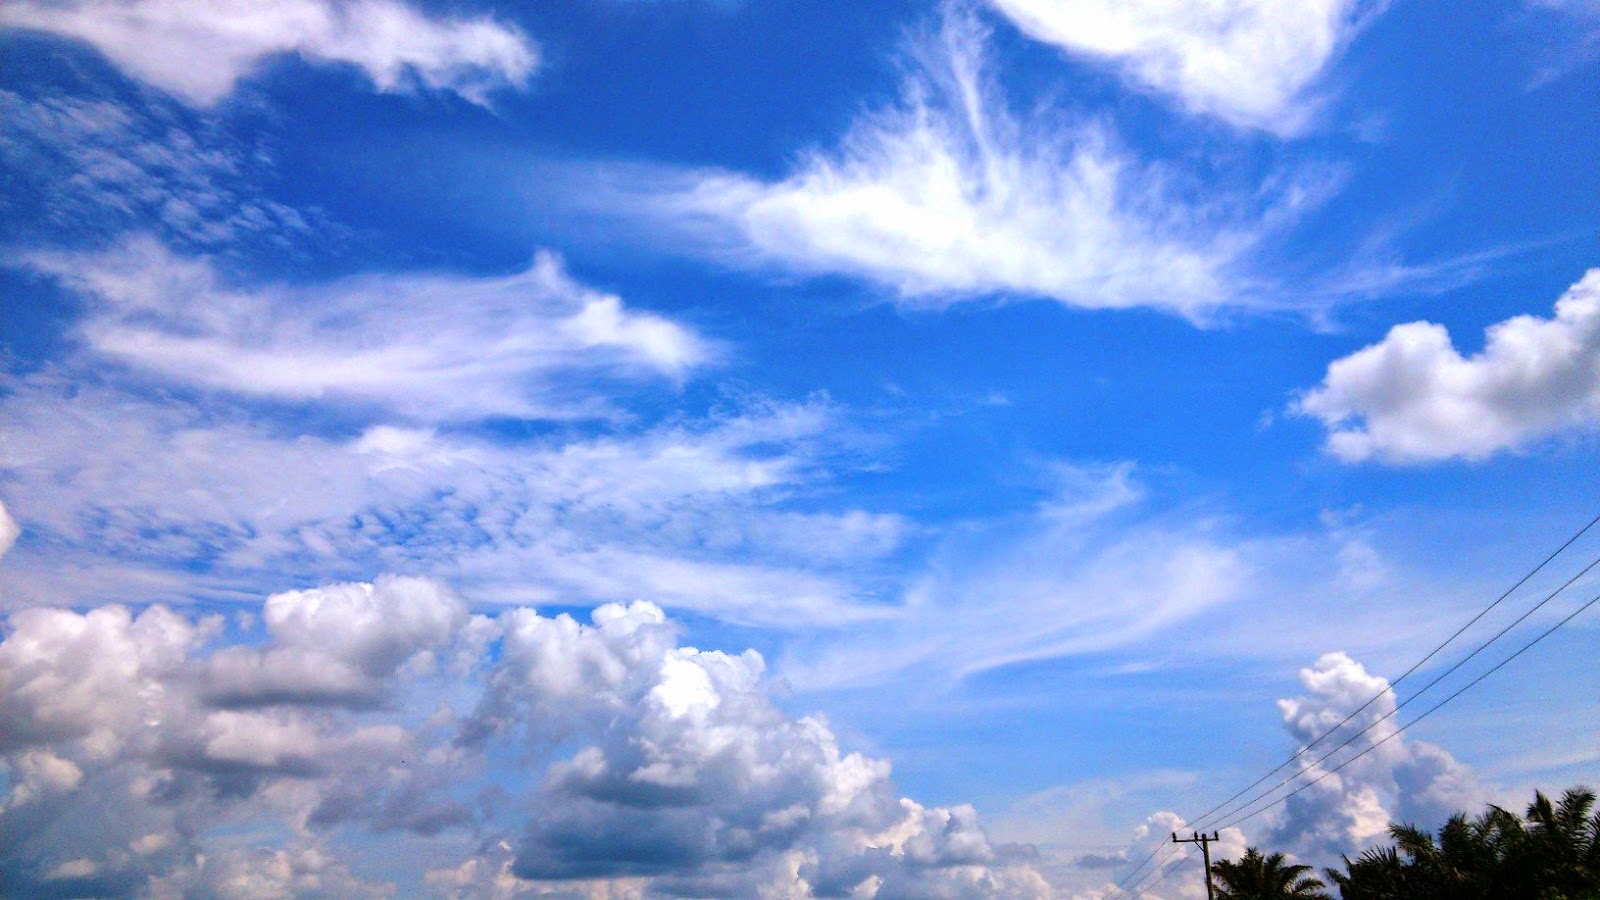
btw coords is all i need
(1204, 840)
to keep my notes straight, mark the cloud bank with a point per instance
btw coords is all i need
(1251, 63)
(1414, 398)
(200, 51)
(157, 751)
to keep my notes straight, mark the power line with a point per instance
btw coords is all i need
(1140, 886)
(1414, 667)
(1181, 859)
(1430, 711)
(1138, 889)
(1425, 688)
(1129, 877)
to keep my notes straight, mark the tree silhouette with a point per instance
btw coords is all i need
(1257, 877)
(1552, 855)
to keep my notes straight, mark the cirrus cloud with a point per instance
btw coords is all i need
(200, 51)
(432, 346)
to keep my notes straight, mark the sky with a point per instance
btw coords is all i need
(753, 448)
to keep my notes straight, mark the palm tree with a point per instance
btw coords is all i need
(1377, 874)
(1257, 877)
(1563, 845)
(1553, 855)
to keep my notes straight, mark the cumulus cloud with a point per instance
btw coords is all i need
(1413, 397)
(949, 196)
(429, 346)
(1404, 780)
(655, 766)
(200, 51)
(1252, 63)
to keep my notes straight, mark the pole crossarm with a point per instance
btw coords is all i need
(1204, 840)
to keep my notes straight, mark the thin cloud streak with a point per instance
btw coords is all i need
(430, 347)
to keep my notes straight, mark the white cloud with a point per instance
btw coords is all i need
(201, 50)
(1252, 63)
(1404, 780)
(663, 767)
(1085, 572)
(712, 515)
(428, 346)
(1413, 397)
(949, 197)
(9, 530)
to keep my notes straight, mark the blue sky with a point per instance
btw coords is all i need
(619, 449)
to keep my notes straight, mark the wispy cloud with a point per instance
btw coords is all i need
(431, 347)
(696, 516)
(1251, 63)
(1413, 398)
(200, 51)
(949, 196)
(91, 168)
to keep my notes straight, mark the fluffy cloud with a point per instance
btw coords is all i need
(428, 346)
(200, 51)
(1248, 62)
(1403, 780)
(138, 751)
(1413, 397)
(949, 197)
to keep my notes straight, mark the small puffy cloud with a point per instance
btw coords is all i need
(1414, 398)
(430, 346)
(948, 196)
(1252, 63)
(200, 51)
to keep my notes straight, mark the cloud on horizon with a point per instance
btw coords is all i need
(153, 750)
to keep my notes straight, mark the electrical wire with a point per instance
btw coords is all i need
(1430, 711)
(1425, 688)
(1396, 682)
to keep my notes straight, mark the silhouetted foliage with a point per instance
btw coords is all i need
(1551, 854)
(1257, 877)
